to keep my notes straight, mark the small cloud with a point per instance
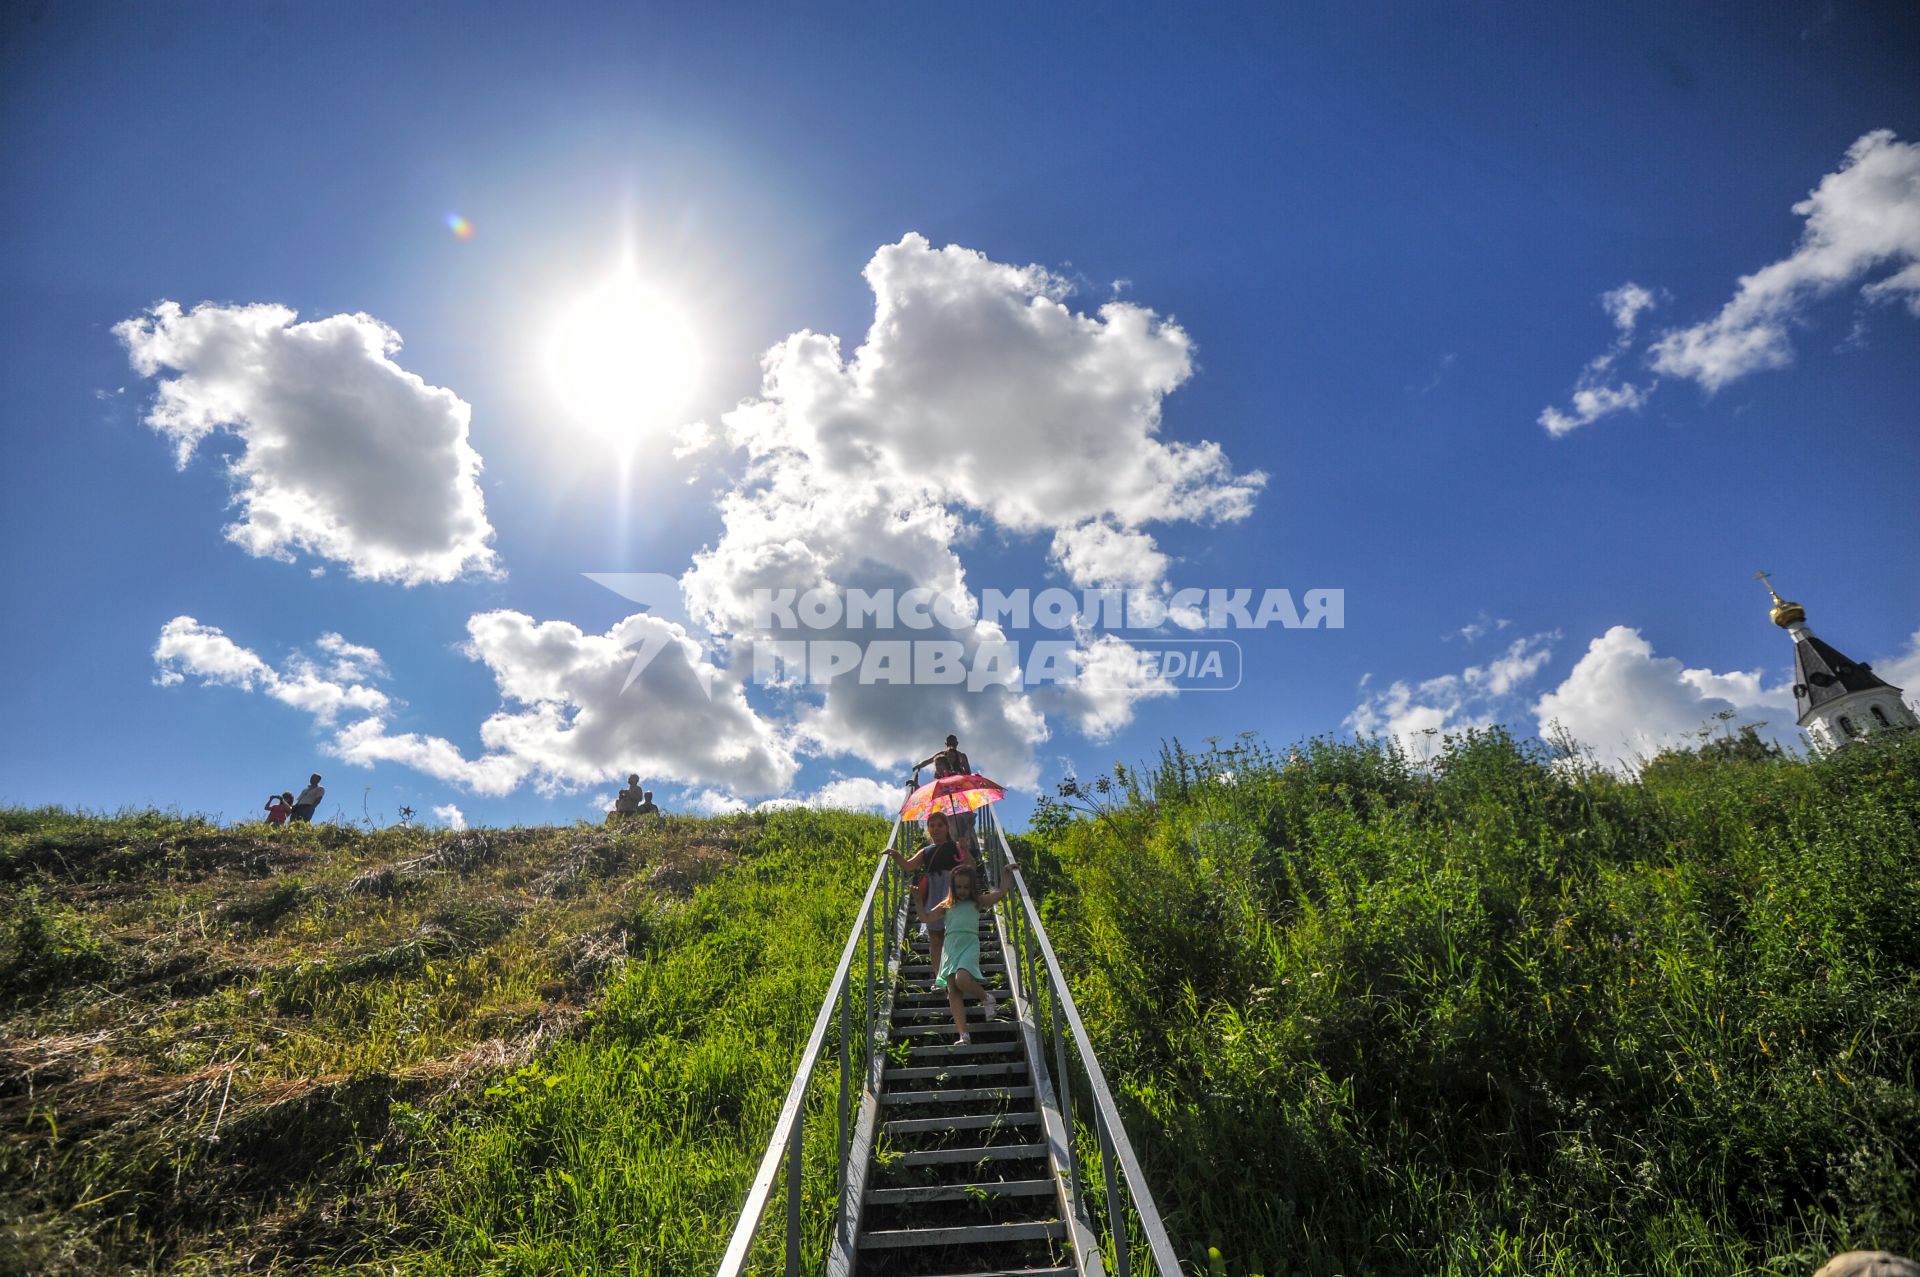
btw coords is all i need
(451, 816)
(1417, 715)
(1441, 367)
(1478, 628)
(1593, 397)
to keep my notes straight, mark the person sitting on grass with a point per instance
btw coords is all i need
(930, 868)
(279, 808)
(627, 801)
(960, 969)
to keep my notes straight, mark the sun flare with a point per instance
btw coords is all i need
(623, 359)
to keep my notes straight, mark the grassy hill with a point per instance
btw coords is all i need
(1499, 1014)
(543, 1050)
(1505, 1014)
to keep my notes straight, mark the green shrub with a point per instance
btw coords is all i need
(1503, 1013)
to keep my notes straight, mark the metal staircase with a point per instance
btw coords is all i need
(955, 1160)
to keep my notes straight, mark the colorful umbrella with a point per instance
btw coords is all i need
(951, 794)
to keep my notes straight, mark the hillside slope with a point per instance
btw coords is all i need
(236, 1049)
(1504, 1014)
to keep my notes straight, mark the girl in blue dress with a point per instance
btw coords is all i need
(960, 962)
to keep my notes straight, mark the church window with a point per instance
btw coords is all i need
(1880, 717)
(1846, 725)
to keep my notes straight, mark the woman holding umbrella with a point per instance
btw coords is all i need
(931, 870)
(933, 865)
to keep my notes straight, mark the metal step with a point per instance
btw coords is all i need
(946, 1030)
(955, 1070)
(938, 998)
(1021, 1272)
(939, 1050)
(959, 1192)
(963, 1122)
(980, 1094)
(977, 1235)
(918, 1015)
(980, 1153)
(925, 969)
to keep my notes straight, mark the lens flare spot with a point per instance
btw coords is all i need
(460, 226)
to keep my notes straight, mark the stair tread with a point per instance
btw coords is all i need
(957, 1096)
(975, 1234)
(959, 1192)
(1017, 1272)
(978, 1153)
(939, 1050)
(959, 1122)
(955, 1070)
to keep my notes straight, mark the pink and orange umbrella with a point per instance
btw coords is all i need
(951, 794)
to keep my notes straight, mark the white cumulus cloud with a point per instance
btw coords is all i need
(1626, 704)
(451, 816)
(186, 648)
(1861, 218)
(977, 391)
(345, 454)
(1417, 715)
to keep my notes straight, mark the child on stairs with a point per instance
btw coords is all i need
(960, 962)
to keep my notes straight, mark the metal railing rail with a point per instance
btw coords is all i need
(786, 1147)
(1039, 969)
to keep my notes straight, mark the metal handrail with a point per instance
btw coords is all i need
(1111, 1133)
(786, 1146)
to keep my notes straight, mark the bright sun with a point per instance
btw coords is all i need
(624, 360)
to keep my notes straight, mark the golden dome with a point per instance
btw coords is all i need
(1784, 612)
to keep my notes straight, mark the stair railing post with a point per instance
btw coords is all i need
(1064, 1084)
(846, 1031)
(1116, 1218)
(866, 1016)
(796, 1165)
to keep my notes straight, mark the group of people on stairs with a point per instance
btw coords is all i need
(948, 899)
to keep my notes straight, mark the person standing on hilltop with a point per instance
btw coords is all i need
(948, 762)
(627, 802)
(951, 762)
(309, 801)
(279, 808)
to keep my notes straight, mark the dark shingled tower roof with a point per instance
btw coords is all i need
(1821, 674)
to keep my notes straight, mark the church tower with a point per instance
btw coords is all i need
(1839, 700)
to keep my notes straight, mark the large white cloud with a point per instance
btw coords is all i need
(1863, 217)
(344, 454)
(978, 385)
(1626, 704)
(570, 718)
(578, 718)
(977, 390)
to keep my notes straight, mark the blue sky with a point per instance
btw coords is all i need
(1388, 240)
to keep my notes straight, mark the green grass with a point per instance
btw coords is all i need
(549, 1050)
(1504, 1014)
